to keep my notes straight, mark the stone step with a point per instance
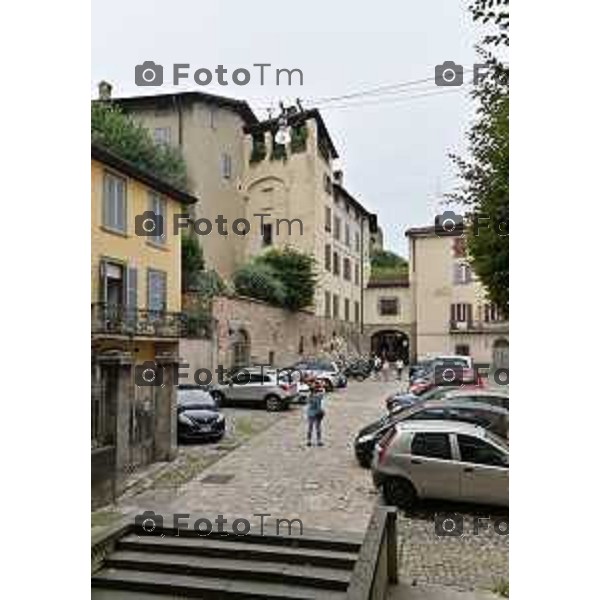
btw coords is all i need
(309, 538)
(207, 588)
(236, 549)
(274, 572)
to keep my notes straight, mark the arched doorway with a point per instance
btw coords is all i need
(240, 348)
(500, 354)
(391, 344)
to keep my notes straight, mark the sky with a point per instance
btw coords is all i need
(393, 146)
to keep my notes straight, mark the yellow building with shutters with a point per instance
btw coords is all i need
(135, 319)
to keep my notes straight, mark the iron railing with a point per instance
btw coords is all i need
(122, 320)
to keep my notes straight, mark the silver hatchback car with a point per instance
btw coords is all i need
(446, 460)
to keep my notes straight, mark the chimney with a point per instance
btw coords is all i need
(104, 90)
(338, 177)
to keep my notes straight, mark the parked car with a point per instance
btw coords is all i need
(257, 387)
(495, 396)
(446, 460)
(324, 370)
(397, 402)
(198, 416)
(493, 418)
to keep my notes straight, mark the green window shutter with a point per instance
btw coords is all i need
(131, 299)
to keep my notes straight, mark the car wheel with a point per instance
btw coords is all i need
(273, 403)
(399, 492)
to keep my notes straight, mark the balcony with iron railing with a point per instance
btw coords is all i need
(478, 326)
(119, 320)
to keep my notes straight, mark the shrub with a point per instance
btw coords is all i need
(295, 270)
(192, 260)
(259, 281)
(119, 133)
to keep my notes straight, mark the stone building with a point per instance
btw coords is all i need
(449, 305)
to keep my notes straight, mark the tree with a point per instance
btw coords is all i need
(259, 281)
(192, 260)
(296, 271)
(484, 172)
(119, 133)
(387, 264)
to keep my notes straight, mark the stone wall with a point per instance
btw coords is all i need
(278, 336)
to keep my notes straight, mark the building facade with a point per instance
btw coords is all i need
(135, 320)
(208, 130)
(450, 309)
(309, 209)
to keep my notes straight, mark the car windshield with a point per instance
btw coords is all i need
(195, 399)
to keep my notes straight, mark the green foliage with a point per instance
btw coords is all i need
(484, 173)
(284, 278)
(208, 283)
(260, 281)
(296, 271)
(192, 260)
(278, 152)
(259, 150)
(385, 259)
(119, 133)
(299, 136)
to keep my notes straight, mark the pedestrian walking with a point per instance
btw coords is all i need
(385, 369)
(399, 367)
(315, 412)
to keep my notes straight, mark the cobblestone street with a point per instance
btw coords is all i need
(275, 473)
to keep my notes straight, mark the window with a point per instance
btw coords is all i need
(461, 312)
(356, 273)
(435, 414)
(162, 135)
(327, 183)
(328, 218)
(226, 167)
(432, 445)
(346, 309)
(336, 306)
(347, 234)
(328, 257)
(463, 273)
(328, 304)
(356, 311)
(491, 313)
(157, 290)
(212, 117)
(336, 263)
(114, 203)
(356, 242)
(267, 234)
(388, 307)
(476, 451)
(462, 350)
(337, 226)
(158, 205)
(347, 269)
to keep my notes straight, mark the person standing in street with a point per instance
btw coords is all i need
(315, 411)
(399, 367)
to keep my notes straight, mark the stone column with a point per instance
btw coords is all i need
(165, 426)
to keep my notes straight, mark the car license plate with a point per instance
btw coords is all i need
(204, 428)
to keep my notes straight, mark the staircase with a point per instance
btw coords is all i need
(130, 564)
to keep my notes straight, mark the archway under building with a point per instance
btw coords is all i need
(391, 344)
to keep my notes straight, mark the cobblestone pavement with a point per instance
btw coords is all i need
(275, 473)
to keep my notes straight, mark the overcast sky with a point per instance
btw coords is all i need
(393, 147)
